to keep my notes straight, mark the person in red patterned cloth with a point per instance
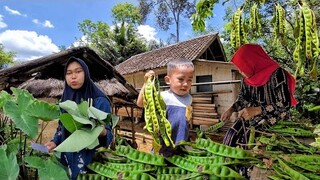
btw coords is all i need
(265, 97)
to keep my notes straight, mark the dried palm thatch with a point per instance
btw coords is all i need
(44, 87)
(112, 87)
(54, 88)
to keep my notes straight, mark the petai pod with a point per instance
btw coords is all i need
(223, 150)
(140, 156)
(177, 176)
(132, 167)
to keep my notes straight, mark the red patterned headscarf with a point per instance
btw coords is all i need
(256, 64)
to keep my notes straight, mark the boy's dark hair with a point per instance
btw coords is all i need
(178, 62)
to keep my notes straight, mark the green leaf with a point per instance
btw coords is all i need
(83, 108)
(70, 106)
(47, 168)
(83, 120)
(94, 144)
(43, 110)
(4, 96)
(53, 171)
(73, 109)
(8, 163)
(79, 140)
(23, 98)
(13, 145)
(69, 123)
(97, 114)
(35, 162)
(28, 124)
(115, 120)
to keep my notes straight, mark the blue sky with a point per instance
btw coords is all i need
(36, 28)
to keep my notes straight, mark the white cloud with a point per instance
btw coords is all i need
(46, 23)
(36, 21)
(148, 32)
(83, 41)
(14, 12)
(2, 24)
(27, 44)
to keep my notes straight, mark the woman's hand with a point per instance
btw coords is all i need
(227, 114)
(50, 145)
(250, 112)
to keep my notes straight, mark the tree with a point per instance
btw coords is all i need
(127, 42)
(118, 42)
(5, 57)
(168, 12)
(126, 13)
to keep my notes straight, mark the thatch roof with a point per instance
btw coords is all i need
(204, 47)
(44, 87)
(54, 87)
(43, 77)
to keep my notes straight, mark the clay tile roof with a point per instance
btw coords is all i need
(191, 49)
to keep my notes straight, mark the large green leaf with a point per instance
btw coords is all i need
(83, 120)
(35, 162)
(13, 145)
(4, 96)
(8, 163)
(47, 168)
(28, 124)
(70, 106)
(43, 110)
(115, 120)
(94, 144)
(23, 98)
(53, 171)
(83, 109)
(97, 114)
(79, 140)
(77, 111)
(69, 123)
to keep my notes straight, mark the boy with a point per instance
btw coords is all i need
(177, 98)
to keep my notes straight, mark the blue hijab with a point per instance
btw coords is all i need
(88, 89)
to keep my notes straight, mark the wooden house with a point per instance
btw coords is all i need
(215, 83)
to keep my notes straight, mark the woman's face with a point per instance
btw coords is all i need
(75, 75)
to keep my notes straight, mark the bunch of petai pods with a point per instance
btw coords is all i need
(307, 41)
(155, 114)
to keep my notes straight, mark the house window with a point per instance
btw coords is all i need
(203, 79)
(161, 79)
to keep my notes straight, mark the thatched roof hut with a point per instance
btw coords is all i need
(43, 77)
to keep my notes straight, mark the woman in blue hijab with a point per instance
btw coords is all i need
(78, 87)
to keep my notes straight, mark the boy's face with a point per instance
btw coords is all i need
(180, 80)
